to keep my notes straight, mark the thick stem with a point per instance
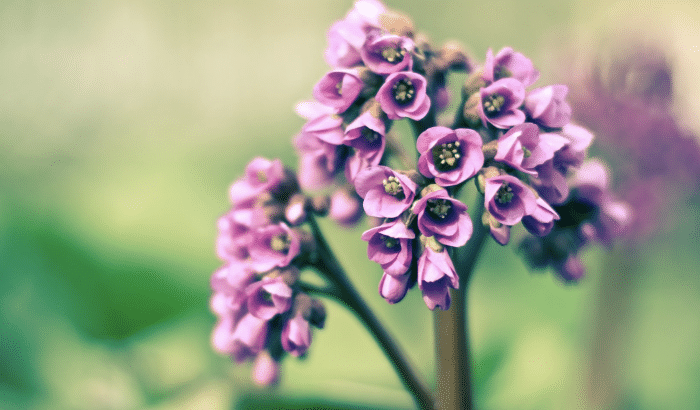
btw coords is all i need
(346, 293)
(451, 343)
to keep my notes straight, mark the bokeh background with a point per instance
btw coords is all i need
(122, 124)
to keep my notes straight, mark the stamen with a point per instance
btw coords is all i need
(280, 243)
(504, 194)
(393, 187)
(494, 103)
(445, 156)
(403, 91)
(439, 208)
(261, 176)
(339, 87)
(369, 134)
(393, 55)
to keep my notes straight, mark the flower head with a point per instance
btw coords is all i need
(509, 63)
(500, 103)
(547, 106)
(386, 192)
(387, 53)
(508, 200)
(449, 156)
(436, 274)
(403, 95)
(443, 217)
(390, 246)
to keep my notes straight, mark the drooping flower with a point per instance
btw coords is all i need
(509, 63)
(500, 103)
(266, 370)
(436, 274)
(249, 337)
(394, 288)
(403, 95)
(443, 217)
(508, 200)
(541, 221)
(524, 148)
(390, 246)
(386, 193)
(269, 297)
(339, 88)
(366, 135)
(261, 175)
(547, 106)
(449, 156)
(296, 335)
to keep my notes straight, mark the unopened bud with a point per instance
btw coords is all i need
(295, 212)
(470, 113)
(318, 314)
(490, 149)
(473, 84)
(430, 189)
(452, 56)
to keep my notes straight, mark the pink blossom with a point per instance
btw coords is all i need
(390, 245)
(508, 200)
(387, 53)
(394, 288)
(403, 95)
(266, 370)
(547, 106)
(269, 297)
(296, 335)
(273, 246)
(386, 193)
(449, 156)
(261, 175)
(339, 89)
(500, 103)
(509, 63)
(444, 217)
(436, 274)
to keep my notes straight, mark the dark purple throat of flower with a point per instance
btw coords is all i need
(446, 156)
(504, 194)
(389, 242)
(501, 72)
(392, 186)
(369, 134)
(403, 91)
(280, 243)
(393, 55)
(493, 104)
(439, 209)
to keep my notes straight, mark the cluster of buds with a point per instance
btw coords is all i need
(262, 312)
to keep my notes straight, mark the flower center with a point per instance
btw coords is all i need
(393, 55)
(280, 243)
(439, 208)
(261, 176)
(493, 104)
(390, 242)
(403, 91)
(504, 194)
(369, 134)
(393, 187)
(526, 152)
(339, 87)
(446, 156)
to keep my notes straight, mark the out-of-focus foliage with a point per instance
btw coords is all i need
(122, 124)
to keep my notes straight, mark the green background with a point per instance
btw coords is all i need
(122, 125)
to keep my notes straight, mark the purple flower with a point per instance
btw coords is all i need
(390, 245)
(339, 88)
(367, 136)
(524, 148)
(403, 95)
(261, 175)
(444, 217)
(344, 41)
(571, 269)
(387, 53)
(230, 281)
(296, 335)
(234, 234)
(249, 337)
(318, 161)
(509, 63)
(541, 221)
(327, 128)
(345, 208)
(500, 233)
(269, 297)
(547, 106)
(266, 370)
(500, 103)
(508, 200)
(386, 193)
(273, 246)
(450, 156)
(436, 274)
(393, 288)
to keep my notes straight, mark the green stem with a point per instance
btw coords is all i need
(346, 293)
(451, 341)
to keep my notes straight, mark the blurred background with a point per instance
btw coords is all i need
(122, 124)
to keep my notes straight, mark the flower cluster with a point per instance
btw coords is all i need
(262, 313)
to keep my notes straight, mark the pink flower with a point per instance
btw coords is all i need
(547, 106)
(394, 288)
(449, 156)
(403, 95)
(508, 200)
(500, 103)
(390, 245)
(386, 193)
(261, 175)
(444, 217)
(366, 135)
(249, 337)
(436, 274)
(273, 246)
(318, 161)
(509, 63)
(541, 221)
(524, 148)
(296, 335)
(345, 208)
(269, 297)
(387, 53)
(266, 370)
(339, 89)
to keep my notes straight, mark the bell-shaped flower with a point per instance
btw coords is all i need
(547, 106)
(508, 200)
(266, 370)
(261, 175)
(509, 63)
(390, 245)
(249, 337)
(500, 103)
(268, 297)
(387, 53)
(339, 88)
(273, 246)
(443, 217)
(366, 135)
(318, 161)
(296, 335)
(436, 274)
(541, 221)
(403, 95)
(449, 156)
(524, 148)
(345, 208)
(386, 193)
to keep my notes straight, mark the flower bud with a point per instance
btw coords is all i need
(295, 212)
